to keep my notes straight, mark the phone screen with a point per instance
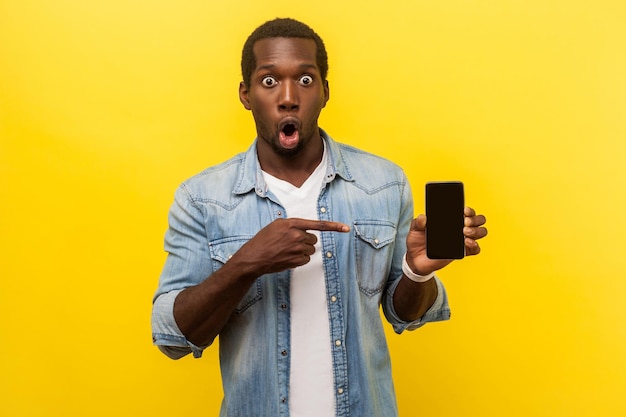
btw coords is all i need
(445, 220)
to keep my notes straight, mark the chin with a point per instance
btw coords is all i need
(288, 152)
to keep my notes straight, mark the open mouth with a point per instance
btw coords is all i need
(289, 135)
(289, 129)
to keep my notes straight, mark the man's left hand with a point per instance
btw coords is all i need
(416, 242)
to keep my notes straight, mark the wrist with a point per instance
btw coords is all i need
(408, 272)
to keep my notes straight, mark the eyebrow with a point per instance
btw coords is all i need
(272, 66)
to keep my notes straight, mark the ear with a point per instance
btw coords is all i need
(243, 95)
(326, 93)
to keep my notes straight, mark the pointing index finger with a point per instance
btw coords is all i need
(321, 225)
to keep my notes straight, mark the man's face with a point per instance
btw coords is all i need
(286, 94)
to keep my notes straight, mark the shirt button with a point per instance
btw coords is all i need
(283, 400)
(376, 241)
(337, 342)
(323, 209)
(340, 390)
(283, 352)
(280, 213)
(333, 298)
(283, 306)
(329, 254)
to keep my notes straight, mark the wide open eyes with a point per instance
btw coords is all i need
(270, 81)
(306, 80)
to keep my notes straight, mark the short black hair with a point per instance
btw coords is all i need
(281, 28)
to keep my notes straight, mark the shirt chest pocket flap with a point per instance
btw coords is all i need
(374, 244)
(221, 251)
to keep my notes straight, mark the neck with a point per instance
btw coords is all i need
(295, 168)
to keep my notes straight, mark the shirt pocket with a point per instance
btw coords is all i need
(221, 251)
(374, 243)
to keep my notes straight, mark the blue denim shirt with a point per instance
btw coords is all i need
(218, 210)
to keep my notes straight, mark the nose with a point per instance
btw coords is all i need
(288, 97)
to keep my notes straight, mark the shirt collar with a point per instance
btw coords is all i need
(251, 176)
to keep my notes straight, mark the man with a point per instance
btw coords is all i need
(288, 251)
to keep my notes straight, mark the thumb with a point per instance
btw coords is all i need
(419, 223)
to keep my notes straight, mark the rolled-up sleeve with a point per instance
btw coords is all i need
(439, 311)
(165, 332)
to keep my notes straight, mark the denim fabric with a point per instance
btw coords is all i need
(218, 210)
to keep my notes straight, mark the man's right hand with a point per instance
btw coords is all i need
(283, 244)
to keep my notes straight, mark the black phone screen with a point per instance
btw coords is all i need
(445, 220)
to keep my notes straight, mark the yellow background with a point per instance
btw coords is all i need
(106, 106)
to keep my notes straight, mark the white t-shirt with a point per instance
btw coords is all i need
(311, 392)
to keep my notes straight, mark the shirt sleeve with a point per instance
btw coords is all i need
(188, 263)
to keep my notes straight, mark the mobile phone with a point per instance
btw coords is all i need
(445, 203)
